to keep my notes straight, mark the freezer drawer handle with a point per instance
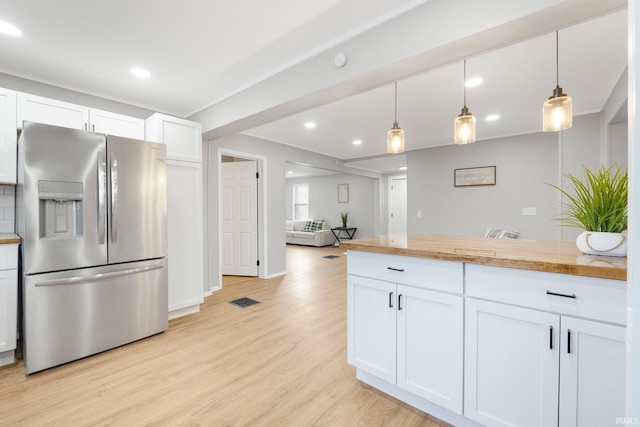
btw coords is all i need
(99, 276)
(114, 197)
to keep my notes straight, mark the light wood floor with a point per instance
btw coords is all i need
(282, 362)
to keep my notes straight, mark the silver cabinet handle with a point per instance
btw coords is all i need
(99, 276)
(102, 221)
(114, 196)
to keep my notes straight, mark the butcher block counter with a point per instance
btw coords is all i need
(489, 332)
(547, 256)
(9, 238)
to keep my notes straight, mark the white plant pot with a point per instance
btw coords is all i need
(601, 243)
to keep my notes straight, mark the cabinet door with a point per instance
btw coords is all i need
(371, 326)
(116, 124)
(430, 338)
(182, 137)
(511, 365)
(185, 234)
(8, 146)
(8, 296)
(592, 373)
(51, 112)
(9, 303)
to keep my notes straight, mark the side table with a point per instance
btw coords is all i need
(339, 233)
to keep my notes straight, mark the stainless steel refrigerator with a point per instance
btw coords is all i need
(91, 212)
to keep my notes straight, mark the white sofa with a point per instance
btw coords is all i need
(296, 235)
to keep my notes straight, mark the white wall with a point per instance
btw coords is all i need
(523, 165)
(323, 200)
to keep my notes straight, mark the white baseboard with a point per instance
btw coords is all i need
(185, 311)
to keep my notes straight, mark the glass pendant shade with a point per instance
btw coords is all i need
(395, 139)
(464, 126)
(557, 112)
(395, 135)
(464, 131)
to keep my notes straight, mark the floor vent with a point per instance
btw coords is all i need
(244, 302)
(331, 256)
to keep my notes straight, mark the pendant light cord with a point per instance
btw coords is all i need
(557, 62)
(464, 82)
(395, 111)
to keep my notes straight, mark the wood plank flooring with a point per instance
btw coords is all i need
(281, 362)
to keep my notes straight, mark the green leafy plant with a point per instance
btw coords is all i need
(599, 203)
(344, 216)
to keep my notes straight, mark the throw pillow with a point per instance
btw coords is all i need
(313, 225)
(501, 234)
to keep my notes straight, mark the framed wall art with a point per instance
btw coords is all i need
(469, 177)
(343, 193)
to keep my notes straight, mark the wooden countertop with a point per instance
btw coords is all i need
(8, 238)
(554, 257)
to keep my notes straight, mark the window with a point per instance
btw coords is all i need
(300, 201)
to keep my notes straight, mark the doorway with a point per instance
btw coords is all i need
(397, 204)
(240, 214)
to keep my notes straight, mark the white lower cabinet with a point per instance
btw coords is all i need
(491, 347)
(511, 365)
(543, 366)
(8, 302)
(409, 337)
(592, 373)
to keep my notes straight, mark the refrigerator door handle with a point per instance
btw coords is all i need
(102, 183)
(114, 196)
(99, 276)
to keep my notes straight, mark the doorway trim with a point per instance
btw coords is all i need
(261, 162)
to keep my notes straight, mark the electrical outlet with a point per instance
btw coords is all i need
(419, 214)
(529, 211)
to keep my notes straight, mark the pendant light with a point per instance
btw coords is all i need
(395, 135)
(557, 110)
(464, 126)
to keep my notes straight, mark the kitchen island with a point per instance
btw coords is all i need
(8, 296)
(494, 332)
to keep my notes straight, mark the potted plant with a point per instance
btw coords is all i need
(345, 217)
(599, 206)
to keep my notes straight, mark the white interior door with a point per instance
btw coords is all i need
(239, 219)
(398, 205)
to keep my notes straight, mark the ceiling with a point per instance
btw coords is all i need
(201, 52)
(517, 79)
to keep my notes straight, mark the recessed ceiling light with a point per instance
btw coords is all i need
(9, 30)
(289, 172)
(403, 168)
(310, 125)
(492, 117)
(140, 73)
(357, 142)
(473, 82)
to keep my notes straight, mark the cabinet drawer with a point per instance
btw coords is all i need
(8, 257)
(587, 297)
(425, 273)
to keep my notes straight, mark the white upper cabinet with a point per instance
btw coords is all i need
(182, 137)
(51, 112)
(8, 146)
(116, 124)
(58, 113)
